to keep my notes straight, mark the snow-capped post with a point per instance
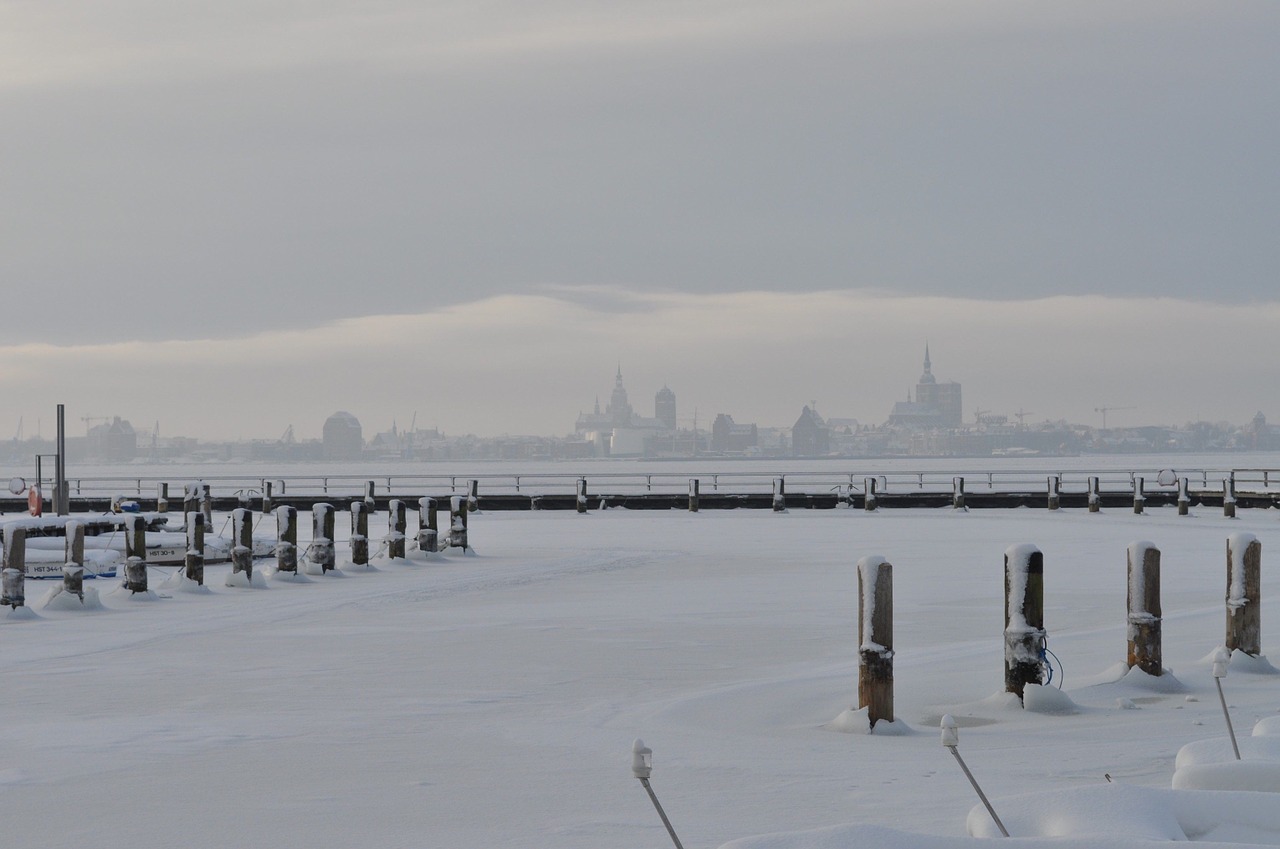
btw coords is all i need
(951, 740)
(242, 542)
(162, 497)
(1222, 659)
(359, 533)
(244, 499)
(266, 497)
(1023, 617)
(458, 522)
(1139, 497)
(473, 496)
(582, 495)
(1244, 594)
(1055, 492)
(397, 525)
(1144, 609)
(779, 495)
(73, 570)
(194, 560)
(428, 532)
(206, 504)
(693, 495)
(13, 578)
(1184, 497)
(1095, 497)
(322, 548)
(875, 639)
(957, 493)
(368, 496)
(190, 498)
(287, 539)
(135, 550)
(642, 768)
(1229, 496)
(869, 494)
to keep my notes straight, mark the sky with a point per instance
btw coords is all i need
(476, 211)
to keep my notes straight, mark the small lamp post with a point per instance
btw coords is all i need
(641, 767)
(1221, 660)
(951, 739)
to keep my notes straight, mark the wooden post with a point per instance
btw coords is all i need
(135, 550)
(73, 571)
(368, 496)
(1055, 492)
(322, 547)
(397, 525)
(194, 560)
(693, 495)
(359, 534)
(1139, 497)
(242, 542)
(582, 495)
(1095, 497)
(473, 496)
(869, 494)
(244, 499)
(287, 539)
(957, 493)
(779, 495)
(1023, 617)
(875, 641)
(206, 505)
(1244, 594)
(162, 497)
(458, 522)
(266, 497)
(13, 577)
(190, 499)
(1184, 497)
(1229, 497)
(1144, 609)
(428, 532)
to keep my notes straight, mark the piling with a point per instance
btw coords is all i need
(1184, 497)
(190, 498)
(1139, 497)
(779, 495)
(875, 640)
(1229, 497)
(869, 494)
(73, 571)
(266, 497)
(1055, 492)
(13, 577)
(322, 547)
(162, 498)
(473, 496)
(582, 495)
(693, 495)
(1244, 594)
(193, 562)
(206, 505)
(957, 493)
(1144, 626)
(1095, 497)
(1024, 633)
(359, 533)
(397, 526)
(135, 550)
(428, 531)
(242, 542)
(287, 539)
(368, 496)
(458, 522)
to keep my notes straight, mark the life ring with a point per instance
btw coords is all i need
(35, 502)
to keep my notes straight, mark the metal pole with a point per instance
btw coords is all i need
(1227, 714)
(60, 506)
(978, 790)
(663, 814)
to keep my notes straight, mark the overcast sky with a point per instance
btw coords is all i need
(231, 217)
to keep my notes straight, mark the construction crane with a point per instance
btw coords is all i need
(1105, 410)
(1021, 416)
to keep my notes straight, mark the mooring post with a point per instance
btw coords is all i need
(1095, 497)
(1024, 632)
(369, 487)
(582, 495)
(322, 546)
(1184, 497)
(194, 560)
(1055, 492)
(13, 577)
(869, 494)
(135, 550)
(957, 493)
(266, 497)
(1139, 497)
(287, 539)
(779, 495)
(875, 640)
(473, 496)
(1229, 496)
(1244, 594)
(359, 534)
(458, 522)
(73, 571)
(206, 504)
(1144, 609)
(693, 495)
(397, 526)
(162, 497)
(242, 538)
(190, 498)
(428, 532)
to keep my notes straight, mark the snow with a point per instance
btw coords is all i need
(1237, 545)
(491, 700)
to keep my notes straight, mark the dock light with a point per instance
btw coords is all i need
(1221, 660)
(951, 739)
(641, 767)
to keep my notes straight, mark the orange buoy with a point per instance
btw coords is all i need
(35, 503)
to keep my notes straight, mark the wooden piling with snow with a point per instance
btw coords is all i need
(1229, 497)
(694, 485)
(428, 531)
(473, 496)
(1024, 632)
(582, 495)
(13, 576)
(1184, 497)
(779, 495)
(322, 546)
(458, 522)
(242, 543)
(1055, 492)
(1095, 497)
(397, 526)
(1244, 594)
(1144, 623)
(193, 562)
(875, 639)
(369, 487)
(957, 493)
(73, 559)
(869, 494)
(287, 539)
(267, 502)
(162, 497)
(1139, 497)
(359, 533)
(135, 550)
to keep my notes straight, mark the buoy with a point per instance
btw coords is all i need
(35, 503)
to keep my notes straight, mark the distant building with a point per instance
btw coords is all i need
(116, 442)
(729, 437)
(664, 408)
(618, 431)
(343, 439)
(809, 435)
(936, 404)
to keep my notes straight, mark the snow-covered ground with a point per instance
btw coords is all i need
(491, 700)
